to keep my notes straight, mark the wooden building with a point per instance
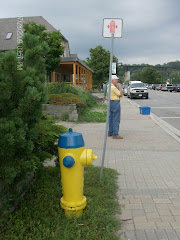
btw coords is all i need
(73, 71)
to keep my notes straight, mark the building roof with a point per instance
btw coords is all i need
(9, 25)
(74, 58)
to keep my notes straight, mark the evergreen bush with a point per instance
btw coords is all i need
(23, 145)
(22, 95)
(48, 133)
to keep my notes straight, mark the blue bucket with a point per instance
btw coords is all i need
(145, 110)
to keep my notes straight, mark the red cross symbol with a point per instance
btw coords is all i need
(112, 26)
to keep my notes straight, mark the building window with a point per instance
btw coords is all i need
(58, 77)
(68, 78)
(49, 77)
(9, 36)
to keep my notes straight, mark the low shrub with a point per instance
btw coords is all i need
(88, 99)
(65, 99)
(60, 88)
(94, 86)
(65, 117)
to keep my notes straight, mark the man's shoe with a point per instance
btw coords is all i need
(117, 137)
(109, 135)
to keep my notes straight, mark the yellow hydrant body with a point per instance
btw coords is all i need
(73, 157)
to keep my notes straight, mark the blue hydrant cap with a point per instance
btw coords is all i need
(68, 161)
(70, 140)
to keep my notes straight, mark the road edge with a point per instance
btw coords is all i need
(172, 131)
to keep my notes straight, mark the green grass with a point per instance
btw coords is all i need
(97, 113)
(40, 217)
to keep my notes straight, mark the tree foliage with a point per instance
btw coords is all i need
(174, 76)
(99, 61)
(52, 39)
(158, 73)
(23, 133)
(147, 75)
(22, 95)
(175, 64)
(150, 75)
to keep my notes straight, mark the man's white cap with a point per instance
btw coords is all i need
(114, 77)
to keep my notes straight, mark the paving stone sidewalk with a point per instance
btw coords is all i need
(148, 160)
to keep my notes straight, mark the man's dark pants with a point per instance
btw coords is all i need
(114, 117)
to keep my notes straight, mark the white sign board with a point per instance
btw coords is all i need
(113, 68)
(112, 25)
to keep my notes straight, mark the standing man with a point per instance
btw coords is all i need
(115, 108)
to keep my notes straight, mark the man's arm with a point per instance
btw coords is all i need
(120, 89)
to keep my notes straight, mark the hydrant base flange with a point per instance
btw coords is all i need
(73, 205)
(73, 209)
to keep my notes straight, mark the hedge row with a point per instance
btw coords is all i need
(66, 94)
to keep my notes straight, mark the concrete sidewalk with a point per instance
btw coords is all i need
(148, 160)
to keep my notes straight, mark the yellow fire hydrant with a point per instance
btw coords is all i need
(73, 157)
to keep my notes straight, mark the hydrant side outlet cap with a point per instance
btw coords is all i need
(70, 140)
(68, 161)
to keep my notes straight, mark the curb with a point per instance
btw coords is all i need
(172, 131)
(175, 133)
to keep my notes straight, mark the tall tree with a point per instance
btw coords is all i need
(136, 75)
(174, 77)
(21, 98)
(150, 75)
(53, 41)
(99, 61)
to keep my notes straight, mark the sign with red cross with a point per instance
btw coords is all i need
(112, 25)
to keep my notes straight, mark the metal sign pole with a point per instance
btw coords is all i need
(108, 105)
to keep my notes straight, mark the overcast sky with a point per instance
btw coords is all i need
(151, 29)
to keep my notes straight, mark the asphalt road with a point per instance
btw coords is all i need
(165, 105)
